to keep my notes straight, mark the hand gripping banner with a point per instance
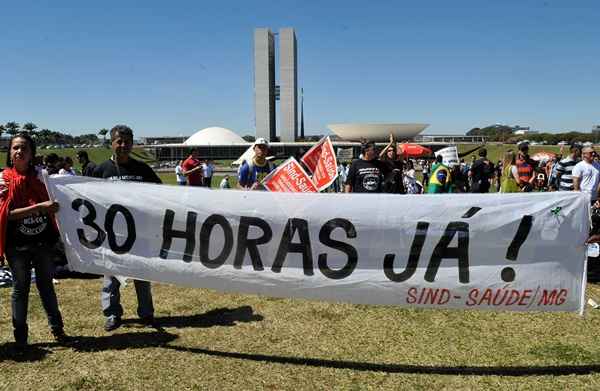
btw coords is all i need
(518, 252)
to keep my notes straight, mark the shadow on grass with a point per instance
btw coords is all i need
(216, 317)
(558, 370)
(10, 352)
(122, 341)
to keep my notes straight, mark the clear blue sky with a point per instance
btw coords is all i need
(168, 68)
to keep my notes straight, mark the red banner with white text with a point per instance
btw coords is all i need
(321, 161)
(289, 177)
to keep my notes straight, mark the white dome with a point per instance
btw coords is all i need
(375, 131)
(214, 136)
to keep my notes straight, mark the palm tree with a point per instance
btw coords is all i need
(12, 128)
(103, 132)
(30, 128)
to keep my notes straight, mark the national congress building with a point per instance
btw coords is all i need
(266, 92)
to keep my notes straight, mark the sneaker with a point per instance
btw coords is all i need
(112, 323)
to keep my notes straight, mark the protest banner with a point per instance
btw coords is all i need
(321, 161)
(289, 177)
(449, 156)
(521, 252)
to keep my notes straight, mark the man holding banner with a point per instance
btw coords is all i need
(121, 167)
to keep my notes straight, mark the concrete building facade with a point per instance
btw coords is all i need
(264, 83)
(288, 81)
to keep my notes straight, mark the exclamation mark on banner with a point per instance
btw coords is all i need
(508, 273)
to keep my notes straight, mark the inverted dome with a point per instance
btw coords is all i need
(376, 132)
(214, 135)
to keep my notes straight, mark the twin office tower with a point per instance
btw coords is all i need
(265, 90)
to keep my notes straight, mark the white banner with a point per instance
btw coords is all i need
(449, 156)
(521, 252)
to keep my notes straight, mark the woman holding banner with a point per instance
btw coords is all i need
(27, 235)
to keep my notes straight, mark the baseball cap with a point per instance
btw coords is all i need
(261, 141)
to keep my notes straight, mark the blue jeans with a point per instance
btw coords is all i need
(111, 298)
(21, 260)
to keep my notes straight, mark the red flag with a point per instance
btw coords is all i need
(322, 162)
(289, 177)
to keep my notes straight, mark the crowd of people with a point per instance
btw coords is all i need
(29, 234)
(388, 172)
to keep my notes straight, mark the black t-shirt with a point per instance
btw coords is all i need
(482, 172)
(88, 169)
(393, 180)
(366, 176)
(133, 170)
(31, 230)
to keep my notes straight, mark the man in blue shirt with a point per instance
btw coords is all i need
(252, 172)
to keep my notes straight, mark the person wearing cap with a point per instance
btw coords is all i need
(87, 166)
(254, 171)
(192, 169)
(586, 174)
(564, 169)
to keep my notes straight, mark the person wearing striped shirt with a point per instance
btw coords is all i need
(564, 168)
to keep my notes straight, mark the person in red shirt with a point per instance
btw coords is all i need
(192, 168)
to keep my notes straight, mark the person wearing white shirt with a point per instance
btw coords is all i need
(208, 169)
(181, 180)
(67, 167)
(225, 183)
(586, 174)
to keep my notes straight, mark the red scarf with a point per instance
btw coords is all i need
(19, 191)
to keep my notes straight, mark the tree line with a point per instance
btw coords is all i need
(507, 134)
(51, 137)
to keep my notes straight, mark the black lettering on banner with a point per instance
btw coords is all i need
(251, 245)
(89, 221)
(522, 232)
(286, 246)
(169, 234)
(413, 257)
(442, 251)
(349, 250)
(109, 222)
(205, 232)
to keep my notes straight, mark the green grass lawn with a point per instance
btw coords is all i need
(216, 341)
